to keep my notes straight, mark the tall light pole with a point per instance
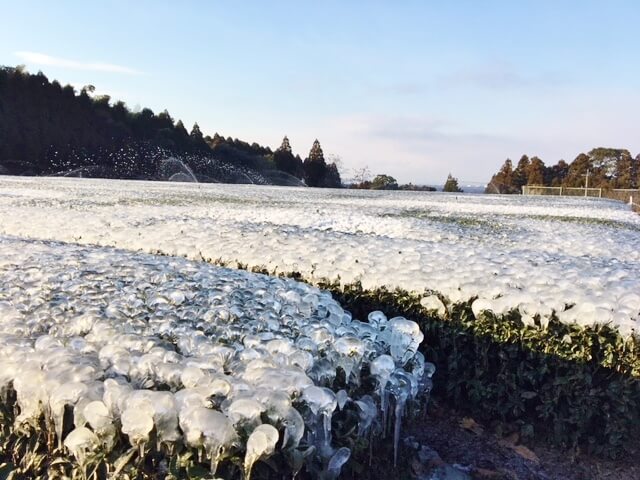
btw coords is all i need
(586, 183)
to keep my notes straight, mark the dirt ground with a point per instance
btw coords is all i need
(461, 441)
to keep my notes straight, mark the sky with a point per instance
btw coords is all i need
(414, 89)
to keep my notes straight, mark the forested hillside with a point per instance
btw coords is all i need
(50, 129)
(606, 168)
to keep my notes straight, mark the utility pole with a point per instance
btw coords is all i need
(586, 183)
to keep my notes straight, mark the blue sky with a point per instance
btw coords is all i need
(413, 89)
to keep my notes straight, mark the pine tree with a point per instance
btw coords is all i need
(606, 167)
(285, 146)
(332, 177)
(502, 182)
(535, 173)
(314, 166)
(48, 128)
(558, 173)
(316, 153)
(196, 134)
(520, 173)
(624, 170)
(179, 128)
(285, 161)
(451, 185)
(577, 171)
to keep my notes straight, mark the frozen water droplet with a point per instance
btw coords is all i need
(261, 443)
(378, 319)
(342, 397)
(176, 297)
(208, 429)
(404, 337)
(66, 394)
(245, 412)
(81, 442)
(337, 461)
(293, 428)
(137, 425)
(320, 400)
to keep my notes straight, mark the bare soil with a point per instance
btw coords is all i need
(459, 440)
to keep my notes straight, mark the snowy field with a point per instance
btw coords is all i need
(579, 258)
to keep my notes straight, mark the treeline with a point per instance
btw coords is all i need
(314, 169)
(387, 182)
(47, 128)
(606, 168)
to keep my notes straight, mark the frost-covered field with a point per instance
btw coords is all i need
(579, 258)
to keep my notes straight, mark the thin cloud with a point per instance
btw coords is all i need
(415, 129)
(499, 76)
(51, 61)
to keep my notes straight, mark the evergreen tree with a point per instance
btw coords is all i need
(520, 174)
(314, 166)
(624, 170)
(502, 182)
(46, 128)
(451, 185)
(558, 173)
(535, 172)
(606, 167)
(197, 139)
(332, 177)
(196, 134)
(577, 171)
(165, 119)
(284, 160)
(316, 154)
(285, 146)
(181, 130)
(316, 171)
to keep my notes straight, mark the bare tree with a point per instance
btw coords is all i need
(337, 159)
(361, 175)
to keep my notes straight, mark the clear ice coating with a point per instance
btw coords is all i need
(160, 351)
(575, 258)
(81, 442)
(337, 461)
(261, 443)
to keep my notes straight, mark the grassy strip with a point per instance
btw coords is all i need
(575, 387)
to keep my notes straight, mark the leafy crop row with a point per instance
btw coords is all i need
(572, 386)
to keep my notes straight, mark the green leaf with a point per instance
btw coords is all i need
(5, 470)
(122, 461)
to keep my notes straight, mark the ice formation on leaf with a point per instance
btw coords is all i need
(575, 258)
(156, 351)
(261, 443)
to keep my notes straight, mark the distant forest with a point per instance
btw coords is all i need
(607, 168)
(50, 129)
